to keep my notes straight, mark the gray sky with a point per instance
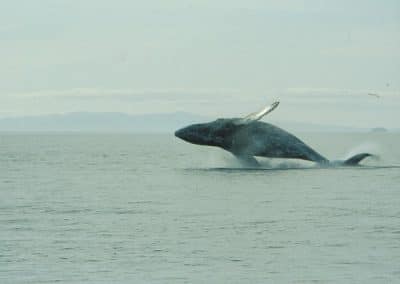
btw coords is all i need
(216, 58)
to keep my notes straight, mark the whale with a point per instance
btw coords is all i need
(248, 137)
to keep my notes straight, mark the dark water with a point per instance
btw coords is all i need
(124, 208)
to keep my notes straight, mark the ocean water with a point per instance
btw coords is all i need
(131, 208)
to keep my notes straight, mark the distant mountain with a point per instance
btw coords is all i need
(120, 122)
(311, 127)
(95, 121)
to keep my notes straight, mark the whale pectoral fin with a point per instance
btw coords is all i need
(247, 161)
(257, 115)
(356, 159)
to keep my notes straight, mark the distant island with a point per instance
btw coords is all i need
(379, 130)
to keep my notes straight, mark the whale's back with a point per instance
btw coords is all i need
(267, 140)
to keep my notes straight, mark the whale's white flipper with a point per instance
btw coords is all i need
(257, 115)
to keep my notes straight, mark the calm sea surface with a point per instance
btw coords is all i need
(130, 208)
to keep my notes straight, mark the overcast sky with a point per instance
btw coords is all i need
(210, 57)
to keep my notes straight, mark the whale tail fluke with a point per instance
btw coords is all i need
(354, 160)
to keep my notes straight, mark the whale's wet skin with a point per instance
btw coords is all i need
(247, 138)
(127, 208)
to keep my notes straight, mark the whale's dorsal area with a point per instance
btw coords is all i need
(257, 115)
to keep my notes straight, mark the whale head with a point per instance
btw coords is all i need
(219, 132)
(215, 133)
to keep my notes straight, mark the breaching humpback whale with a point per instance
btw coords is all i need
(248, 137)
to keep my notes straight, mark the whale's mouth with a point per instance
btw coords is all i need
(179, 133)
(189, 134)
(184, 134)
(196, 134)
